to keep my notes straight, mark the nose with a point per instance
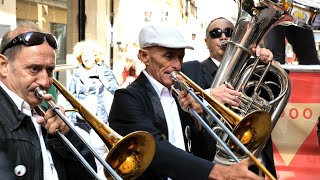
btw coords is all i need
(176, 63)
(44, 80)
(223, 36)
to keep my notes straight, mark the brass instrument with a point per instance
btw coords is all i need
(247, 131)
(264, 86)
(129, 155)
(251, 130)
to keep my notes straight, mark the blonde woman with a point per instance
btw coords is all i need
(89, 84)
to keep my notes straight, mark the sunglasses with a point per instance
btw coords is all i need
(217, 33)
(32, 38)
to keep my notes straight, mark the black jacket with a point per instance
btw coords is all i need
(138, 108)
(202, 73)
(19, 142)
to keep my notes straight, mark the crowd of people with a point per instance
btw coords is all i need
(142, 101)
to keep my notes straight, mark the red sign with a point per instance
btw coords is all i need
(295, 141)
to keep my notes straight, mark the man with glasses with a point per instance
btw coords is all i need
(27, 61)
(203, 73)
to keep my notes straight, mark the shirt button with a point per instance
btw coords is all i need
(20, 170)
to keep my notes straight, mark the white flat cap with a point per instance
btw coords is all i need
(162, 35)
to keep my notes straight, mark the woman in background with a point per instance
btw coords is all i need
(89, 84)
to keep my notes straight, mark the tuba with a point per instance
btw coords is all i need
(264, 86)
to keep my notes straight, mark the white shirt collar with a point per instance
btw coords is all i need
(171, 112)
(158, 87)
(19, 102)
(216, 62)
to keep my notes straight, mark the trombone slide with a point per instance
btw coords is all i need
(186, 87)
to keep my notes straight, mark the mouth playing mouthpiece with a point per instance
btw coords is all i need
(223, 45)
(174, 76)
(39, 92)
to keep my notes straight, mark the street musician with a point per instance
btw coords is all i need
(148, 104)
(27, 140)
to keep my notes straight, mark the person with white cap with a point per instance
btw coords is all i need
(147, 104)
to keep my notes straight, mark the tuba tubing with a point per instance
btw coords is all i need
(255, 19)
(129, 155)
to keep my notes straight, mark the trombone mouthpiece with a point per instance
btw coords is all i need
(39, 92)
(174, 76)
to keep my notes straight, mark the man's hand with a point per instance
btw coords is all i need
(51, 121)
(226, 94)
(235, 171)
(187, 101)
(264, 54)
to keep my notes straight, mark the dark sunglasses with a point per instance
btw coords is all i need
(32, 38)
(217, 33)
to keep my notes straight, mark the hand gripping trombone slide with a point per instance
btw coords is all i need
(128, 157)
(39, 93)
(185, 86)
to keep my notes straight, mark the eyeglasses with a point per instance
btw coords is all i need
(217, 33)
(32, 38)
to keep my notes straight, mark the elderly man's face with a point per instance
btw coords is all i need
(161, 62)
(213, 43)
(33, 67)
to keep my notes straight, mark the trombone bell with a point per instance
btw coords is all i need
(252, 130)
(130, 156)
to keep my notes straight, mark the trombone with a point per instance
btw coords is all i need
(245, 128)
(129, 156)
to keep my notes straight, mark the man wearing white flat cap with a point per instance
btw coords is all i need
(147, 104)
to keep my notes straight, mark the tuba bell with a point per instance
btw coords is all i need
(264, 86)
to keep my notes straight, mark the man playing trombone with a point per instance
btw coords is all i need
(29, 141)
(148, 104)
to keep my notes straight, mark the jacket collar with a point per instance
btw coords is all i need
(14, 117)
(210, 70)
(159, 117)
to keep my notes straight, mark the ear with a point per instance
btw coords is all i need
(4, 65)
(206, 41)
(143, 56)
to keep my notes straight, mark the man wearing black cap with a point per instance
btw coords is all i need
(148, 105)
